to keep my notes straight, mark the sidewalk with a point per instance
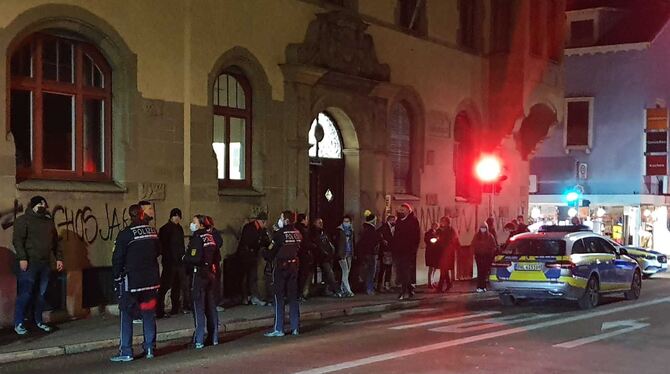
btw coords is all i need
(103, 331)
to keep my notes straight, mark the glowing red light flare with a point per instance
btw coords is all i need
(488, 169)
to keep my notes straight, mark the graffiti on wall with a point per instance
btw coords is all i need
(82, 222)
(464, 219)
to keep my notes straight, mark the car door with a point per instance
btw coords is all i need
(603, 260)
(623, 267)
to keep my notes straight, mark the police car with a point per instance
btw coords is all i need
(651, 262)
(564, 262)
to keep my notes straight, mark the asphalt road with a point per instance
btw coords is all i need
(474, 337)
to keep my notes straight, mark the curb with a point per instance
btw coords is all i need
(234, 326)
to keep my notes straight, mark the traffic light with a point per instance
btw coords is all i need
(488, 169)
(572, 197)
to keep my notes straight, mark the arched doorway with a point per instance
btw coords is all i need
(326, 171)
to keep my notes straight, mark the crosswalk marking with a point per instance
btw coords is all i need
(445, 320)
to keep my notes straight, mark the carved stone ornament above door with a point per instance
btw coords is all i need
(337, 41)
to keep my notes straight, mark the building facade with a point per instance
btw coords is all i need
(229, 108)
(612, 146)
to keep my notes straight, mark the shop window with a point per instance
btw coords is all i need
(578, 123)
(400, 150)
(232, 129)
(60, 117)
(471, 13)
(412, 16)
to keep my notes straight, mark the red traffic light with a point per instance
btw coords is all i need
(488, 169)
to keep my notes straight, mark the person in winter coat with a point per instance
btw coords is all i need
(324, 253)
(306, 257)
(404, 247)
(448, 244)
(203, 253)
(484, 245)
(35, 239)
(432, 255)
(344, 245)
(137, 279)
(367, 248)
(173, 277)
(491, 223)
(386, 258)
(254, 237)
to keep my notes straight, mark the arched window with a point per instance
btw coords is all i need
(401, 148)
(467, 187)
(232, 129)
(330, 146)
(60, 109)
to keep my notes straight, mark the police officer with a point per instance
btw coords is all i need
(203, 253)
(136, 276)
(284, 253)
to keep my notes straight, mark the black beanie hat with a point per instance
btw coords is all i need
(369, 216)
(175, 212)
(36, 200)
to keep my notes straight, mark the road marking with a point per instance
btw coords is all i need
(389, 316)
(475, 338)
(489, 323)
(630, 325)
(444, 320)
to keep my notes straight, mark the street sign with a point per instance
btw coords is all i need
(628, 326)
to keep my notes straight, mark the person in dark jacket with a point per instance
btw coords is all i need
(386, 258)
(404, 247)
(284, 253)
(367, 248)
(306, 257)
(35, 239)
(448, 245)
(432, 255)
(173, 277)
(203, 253)
(136, 276)
(324, 253)
(484, 246)
(344, 246)
(254, 237)
(491, 223)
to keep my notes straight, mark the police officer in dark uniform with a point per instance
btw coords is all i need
(203, 253)
(284, 253)
(137, 279)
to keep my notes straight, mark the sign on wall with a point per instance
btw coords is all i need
(656, 150)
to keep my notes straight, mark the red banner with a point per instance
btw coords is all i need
(657, 165)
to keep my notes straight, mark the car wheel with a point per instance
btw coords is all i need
(635, 287)
(591, 295)
(507, 300)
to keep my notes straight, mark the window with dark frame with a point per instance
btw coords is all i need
(400, 150)
(582, 33)
(60, 109)
(501, 36)
(412, 16)
(577, 123)
(232, 129)
(471, 13)
(555, 14)
(536, 22)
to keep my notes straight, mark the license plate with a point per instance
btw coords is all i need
(528, 267)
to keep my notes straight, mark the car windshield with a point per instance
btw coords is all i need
(535, 247)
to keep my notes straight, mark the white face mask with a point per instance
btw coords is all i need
(482, 230)
(280, 222)
(194, 227)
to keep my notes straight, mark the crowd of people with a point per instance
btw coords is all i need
(293, 250)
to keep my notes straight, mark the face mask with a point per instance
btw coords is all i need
(482, 230)
(346, 225)
(194, 227)
(280, 223)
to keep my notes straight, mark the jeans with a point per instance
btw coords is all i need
(370, 272)
(146, 300)
(205, 301)
(35, 274)
(171, 279)
(329, 276)
(483, 269)
(345, 265)
(249, 284)
(285, 281)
